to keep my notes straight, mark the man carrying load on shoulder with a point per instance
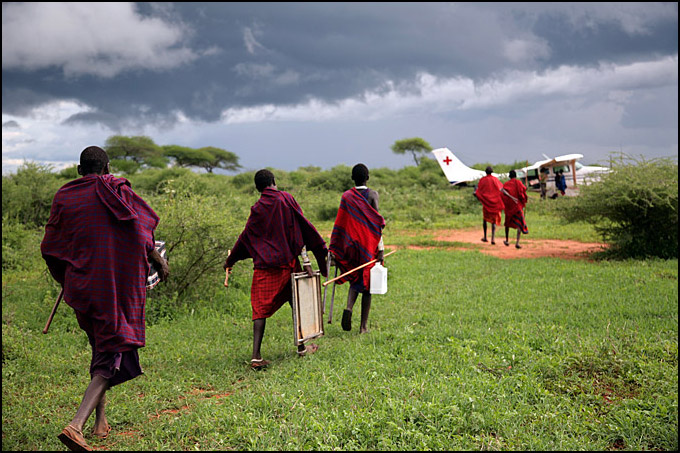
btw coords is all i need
(357, 239)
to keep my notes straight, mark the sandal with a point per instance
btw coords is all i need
(506, 243)
(308, 350)
(484, 240)
(258, 364)
(517, 246)
(73, 439)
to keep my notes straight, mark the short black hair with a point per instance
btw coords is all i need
(263, 179)
(489, 170)
(93, 159)
(513, 174)
(360, 173)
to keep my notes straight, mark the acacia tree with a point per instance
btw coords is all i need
(187, 157)
(221, 158)
(140, 150)
(415, 146)
(208, 157)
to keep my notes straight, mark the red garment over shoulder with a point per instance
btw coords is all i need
(514, 214)
(275, 233)
(489, 193)
(96, 244)
(355, 237)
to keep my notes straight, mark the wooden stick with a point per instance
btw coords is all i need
(357, 268)
(54, 310)
(330, 313)
(228, 271)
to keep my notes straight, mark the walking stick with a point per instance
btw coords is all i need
(330, 313)
(54, 310)
(357, 268)
(328, 275)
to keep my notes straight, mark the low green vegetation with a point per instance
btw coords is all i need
(465, 351)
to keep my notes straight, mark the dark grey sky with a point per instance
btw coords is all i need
(295, 84)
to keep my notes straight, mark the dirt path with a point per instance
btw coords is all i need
(531, 248)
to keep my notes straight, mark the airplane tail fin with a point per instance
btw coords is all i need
(455, 170)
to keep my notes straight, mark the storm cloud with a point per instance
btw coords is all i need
(162, 68)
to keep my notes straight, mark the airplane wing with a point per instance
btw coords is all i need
(455, 170)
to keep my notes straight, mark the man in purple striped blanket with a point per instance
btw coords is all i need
(97, 245)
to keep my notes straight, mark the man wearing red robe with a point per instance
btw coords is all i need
(357, 239)
(98, 240)
(273, 237)
(489, 193)
(514, 196)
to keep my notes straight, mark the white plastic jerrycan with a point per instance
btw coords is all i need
(378, 279)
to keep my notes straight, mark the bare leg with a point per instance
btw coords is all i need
(519, 233)
(493, 233)
(258, 333)
(484, 229)
(101, 426)
(93, 397)
(351, 298)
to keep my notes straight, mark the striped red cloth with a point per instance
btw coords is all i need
(355, 237)
(96, 244)
(489, 193)
(514, 214)
(271, 289)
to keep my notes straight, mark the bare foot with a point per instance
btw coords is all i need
(101, 430)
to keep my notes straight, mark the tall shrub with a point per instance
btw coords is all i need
(198, 230)
(634, 208)
(27, 194)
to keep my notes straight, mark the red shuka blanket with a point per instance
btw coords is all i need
(489, 193)
(275, 233)
(96, 244)
(355, 237)
(514, 214)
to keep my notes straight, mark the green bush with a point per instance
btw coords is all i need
(198, 230)
(337, 179)
(27, 194)
(634, 208)
(154, 181)
(20, 246)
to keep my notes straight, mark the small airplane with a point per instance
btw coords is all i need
(574, 172)
(455, 170)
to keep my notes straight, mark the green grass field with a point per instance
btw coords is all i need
(465, 351)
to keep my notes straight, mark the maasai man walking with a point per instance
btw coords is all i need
(514, 196)
(273, 237)
(98, 240)
(357, 239)
(489, 193)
